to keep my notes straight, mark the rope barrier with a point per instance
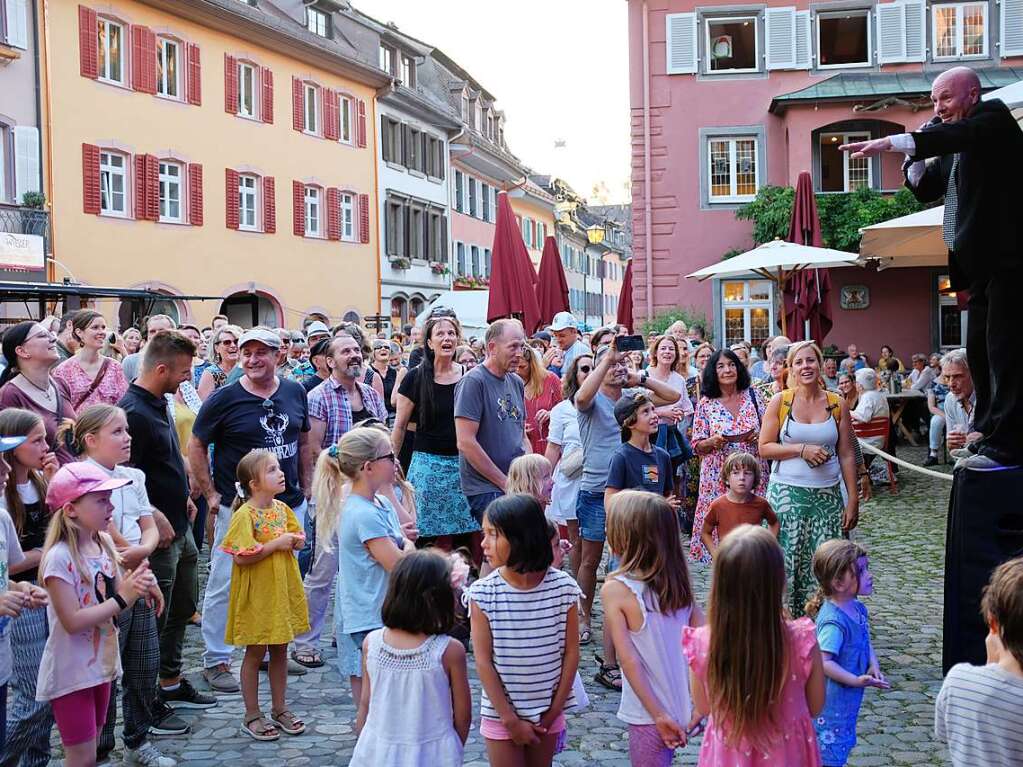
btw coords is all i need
(905, 464)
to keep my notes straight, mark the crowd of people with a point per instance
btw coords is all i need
(455, 495)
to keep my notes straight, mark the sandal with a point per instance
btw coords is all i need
(584, 635)
(608, 676)
(288, 722)
(307, 658)
(263, 731)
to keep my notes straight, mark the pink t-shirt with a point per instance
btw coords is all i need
(77, 661)
(110, 389)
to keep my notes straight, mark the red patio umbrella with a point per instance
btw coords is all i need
(625, 300)
(512, 277)
(552, 288)
(806, 295)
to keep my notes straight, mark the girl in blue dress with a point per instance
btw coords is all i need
(843, 634)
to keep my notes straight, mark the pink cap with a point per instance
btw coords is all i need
(73, 480)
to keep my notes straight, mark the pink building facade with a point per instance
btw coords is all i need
(728, 98)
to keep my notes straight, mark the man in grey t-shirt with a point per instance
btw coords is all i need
(490, 413)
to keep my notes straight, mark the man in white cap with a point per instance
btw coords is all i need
(259, 411)
(567, 343)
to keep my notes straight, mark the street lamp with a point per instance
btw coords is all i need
(595, 236)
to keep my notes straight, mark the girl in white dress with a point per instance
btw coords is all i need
(415, 709)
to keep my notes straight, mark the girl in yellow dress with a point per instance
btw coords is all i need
(267, 608)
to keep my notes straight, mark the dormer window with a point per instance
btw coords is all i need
(465, 107)
(387, 59)
(317, 22)
(478, 117)
(407, 73)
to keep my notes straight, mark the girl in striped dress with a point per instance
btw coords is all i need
(525, 636)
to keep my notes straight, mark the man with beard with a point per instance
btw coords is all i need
(259, 411)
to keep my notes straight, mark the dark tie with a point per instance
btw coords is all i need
(948, 223)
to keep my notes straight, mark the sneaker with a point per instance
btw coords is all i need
(165, 721)
(146, 755)
(221, 679)
(932, 460)
(186, 696)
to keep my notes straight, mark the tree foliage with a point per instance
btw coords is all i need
(687, 314)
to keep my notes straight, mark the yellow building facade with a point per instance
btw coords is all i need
(534, 212)
(205, 148)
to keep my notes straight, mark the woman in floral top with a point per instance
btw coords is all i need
(727, 420)
(92, 378)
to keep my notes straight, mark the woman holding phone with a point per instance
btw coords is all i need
(727, 420)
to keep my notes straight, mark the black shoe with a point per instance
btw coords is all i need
(932, 460)
(166, 722)
(186, 696)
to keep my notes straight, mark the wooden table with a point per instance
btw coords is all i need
(897, 404)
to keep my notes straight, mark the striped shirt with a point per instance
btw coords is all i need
(329, 403)
(979, 713)
(528, 634)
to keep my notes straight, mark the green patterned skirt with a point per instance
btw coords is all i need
(807, 516)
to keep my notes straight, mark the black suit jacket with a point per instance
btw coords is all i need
(989, 224)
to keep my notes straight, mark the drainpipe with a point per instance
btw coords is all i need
(51, 271)
(648, 244)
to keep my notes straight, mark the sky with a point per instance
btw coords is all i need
(558, 69)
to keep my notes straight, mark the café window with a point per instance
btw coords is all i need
(951, 320)
(839, 172)
(960, 30)
(733, 172)
(843, 39)
(747, 311)
(732, 44)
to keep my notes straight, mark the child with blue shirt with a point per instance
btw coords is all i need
(638, 464)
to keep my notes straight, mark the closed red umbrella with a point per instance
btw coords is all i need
(512, 277)
(552, 289)
(625, 300)
(806, 294)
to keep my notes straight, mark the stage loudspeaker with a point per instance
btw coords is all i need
(985, 528)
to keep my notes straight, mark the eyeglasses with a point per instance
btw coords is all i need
(388, 457)
(227, 342)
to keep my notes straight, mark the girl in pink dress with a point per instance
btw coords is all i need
(758, 676)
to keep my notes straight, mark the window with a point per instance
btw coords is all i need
(747, 308)
(733, 172)
(475, 258)
(437, 244)
(486, 263)
(527, 231)
(541, 234)
(312, 109)
(465, 107)
(317, 22)
(951, 320)
(843, 39)
(387, 59)
(732, 44)
(113, 184)
(391, 147)
(168, 54)
(460, 259)
(5, 133)
(414, 150)
(348, 216)
(247, 217)
(111, 51)
(960, 30)
(313, 212)
(246, 90)
(459, 184)
(415, 229)
(408, 71)
(839, 172)
(170, 192)
(345, 106)
(473, 209)
(490, 125)
(394, 229)
(478, 117)
(486, 202)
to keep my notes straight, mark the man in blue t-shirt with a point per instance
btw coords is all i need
(259, 411)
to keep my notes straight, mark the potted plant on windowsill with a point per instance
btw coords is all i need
(400, 263)
(471, 283)
(439, 267)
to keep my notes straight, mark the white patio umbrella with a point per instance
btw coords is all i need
(776, 261)
(913, 240)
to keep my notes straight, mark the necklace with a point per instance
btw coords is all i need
(45, 392)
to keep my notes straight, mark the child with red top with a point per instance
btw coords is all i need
(739, 505)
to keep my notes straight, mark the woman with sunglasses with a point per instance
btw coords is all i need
(380, 363)
(223, 356)
(30, 351)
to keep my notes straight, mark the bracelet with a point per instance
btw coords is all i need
(120, 601)
(801, 449)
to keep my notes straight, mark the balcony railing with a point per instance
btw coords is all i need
(15, 219)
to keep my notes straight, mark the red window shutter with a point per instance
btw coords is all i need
(363, 218)
(88, 44)
(143, 59)
(194, 75)
(297, 105)
(195, 194)
(269, 206)
(90, 178)
(149, 54)
(333, 214)
(139, 186)
(362, 123)
(137, 67)
(230, 84)
(152, 187)
(267, 103)
(331, 126)
(231, 200)
(298, 205)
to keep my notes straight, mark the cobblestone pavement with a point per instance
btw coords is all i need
(905, 536)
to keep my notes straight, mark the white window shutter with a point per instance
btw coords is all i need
(804, 37)
(891, 33)
(26, 161)
(681, 43)
(17, 23)
(916, 30)
(1012, 28)
(780, 33)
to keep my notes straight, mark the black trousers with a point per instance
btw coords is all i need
(996, 365)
